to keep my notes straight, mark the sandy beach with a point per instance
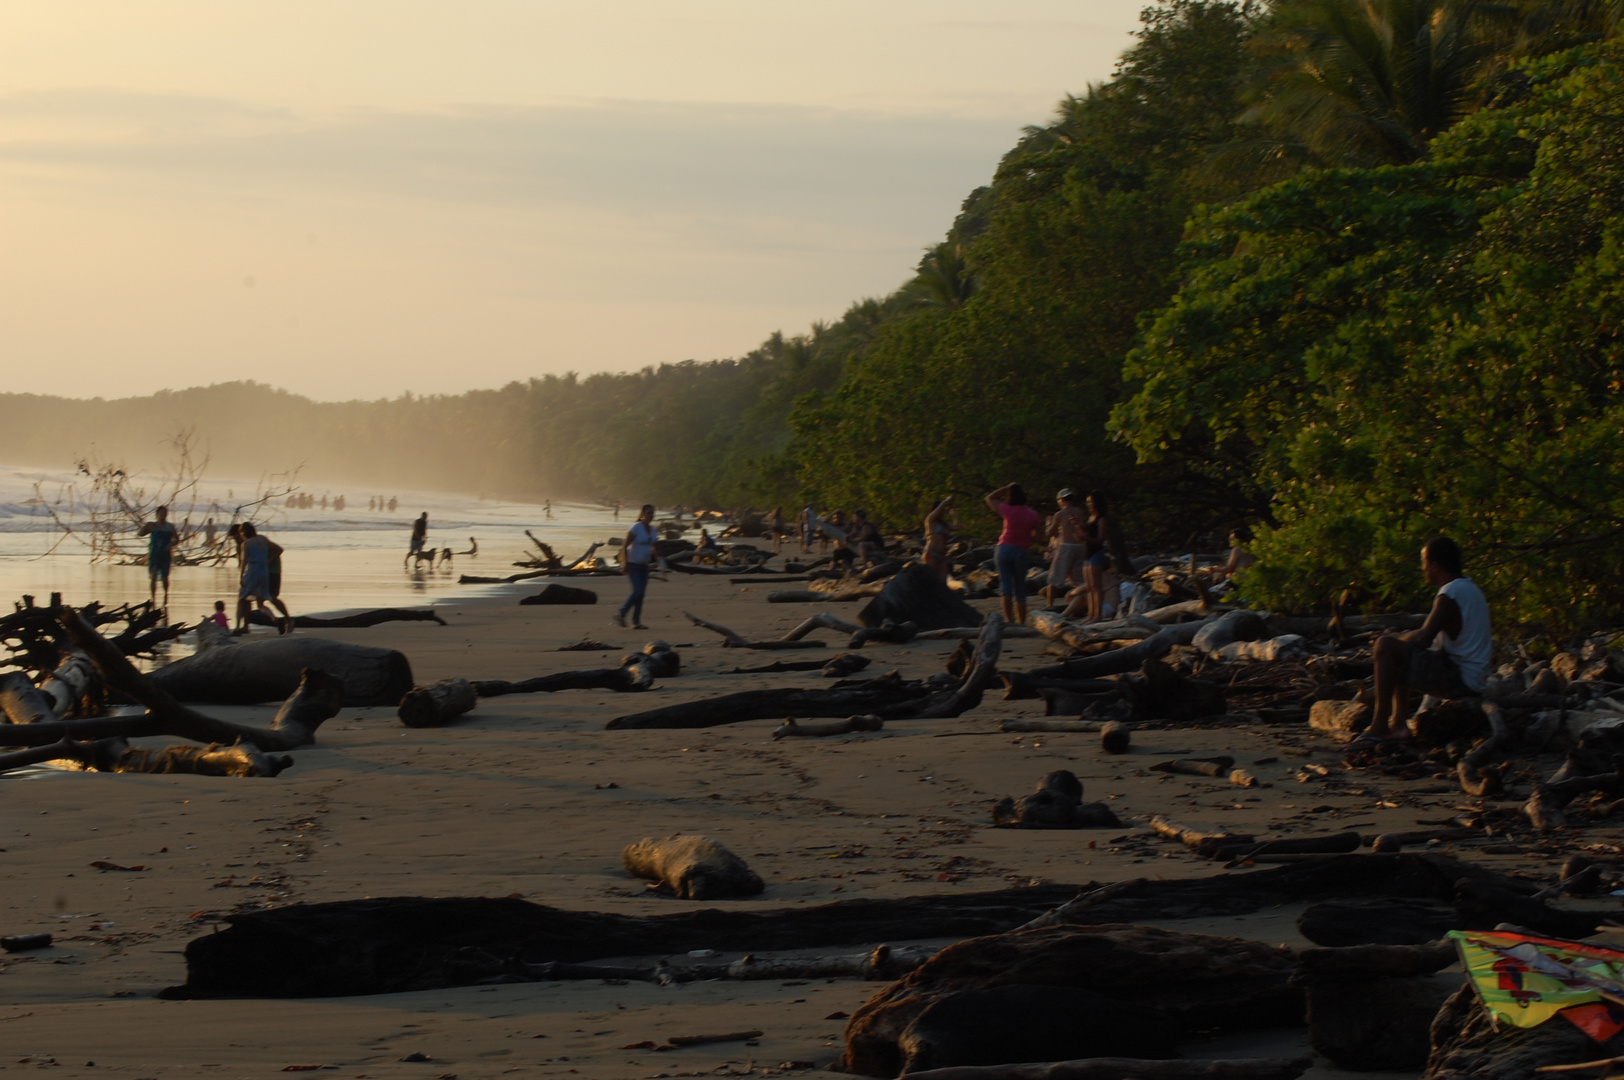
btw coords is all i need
(530, 796)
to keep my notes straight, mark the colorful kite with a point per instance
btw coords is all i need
(1524, 980)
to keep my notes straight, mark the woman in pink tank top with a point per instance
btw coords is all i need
(1021, 526)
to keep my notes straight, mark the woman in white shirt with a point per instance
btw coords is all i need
(636, 555)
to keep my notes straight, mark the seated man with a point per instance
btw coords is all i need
(1455, 665)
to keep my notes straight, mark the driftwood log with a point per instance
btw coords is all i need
(561, 594)
(259, 671)
(1056, 804)
(1466, 1045)
(732, 640)
(885, 696)
(437, 704)
(21, 701)
(1129, 658)
(390, 945)
(359, 621)
(118, 756)
(792, 728)
(636, 672)
(881, 963)
(1066, 992)
(1084, 635)
(692, 868)
(1116, 1068)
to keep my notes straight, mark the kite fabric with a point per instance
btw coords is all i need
(1525, 980)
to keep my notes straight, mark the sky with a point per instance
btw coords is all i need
(356, 199)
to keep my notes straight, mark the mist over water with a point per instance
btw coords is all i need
(333, 561)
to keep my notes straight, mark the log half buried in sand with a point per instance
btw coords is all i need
(437, 704)
(259, 671)
(1117, 1068)
(1197, 840)
(792, 728)
(358, 621)
(692, 868)
(118, 756)
(1117, 661)
(561, 594)
(884, 962)
(1056, 804)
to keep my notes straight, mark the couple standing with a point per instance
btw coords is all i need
(1082, 539)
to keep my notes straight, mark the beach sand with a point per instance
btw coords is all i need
(530, 796)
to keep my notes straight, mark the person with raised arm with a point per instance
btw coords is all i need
(1021, 525)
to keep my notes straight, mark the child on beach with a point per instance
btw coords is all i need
(219, 616)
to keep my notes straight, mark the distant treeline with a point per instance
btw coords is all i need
(1350, 273)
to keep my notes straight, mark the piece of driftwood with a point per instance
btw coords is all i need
(1055, 627)
(1020, 686)
(1169, 614)
(888, 696)
(821, 621)
(918, 596)
(964, 633)
(1086, 727)
(555, 593)
(1196, 839)
(703, 1040)
(628, 678)
(1332, 844)
(1213, 766)
(1467, 1044)
(732, 640)
(118, 756)
(791, 728)
(1072, 910)
(437, 704)
(883, 962)
(1129, 658)
(844, 665)
(1118, 1068)
(691, 868)
(21, 701)
(982, 671)
(1315, 966)
(1066, 992)
(69, 683)
(1115, 737)
(1366, 1024)
(787, 665)
(1056, 804)
(254, 672)
(888, 632)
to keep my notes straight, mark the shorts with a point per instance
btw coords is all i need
(1435, 672)
(255, 586)
(1099, 560)
(158, 569)
(1068, 560)
(417, 545)
(1011, 562)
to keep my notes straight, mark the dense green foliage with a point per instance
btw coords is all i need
(1346, 270)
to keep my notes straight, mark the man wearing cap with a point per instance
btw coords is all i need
(1066, 527)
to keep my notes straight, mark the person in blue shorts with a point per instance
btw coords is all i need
(161, 540)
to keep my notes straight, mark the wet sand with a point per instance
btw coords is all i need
(529, 795)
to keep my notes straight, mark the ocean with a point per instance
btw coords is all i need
(333, 561)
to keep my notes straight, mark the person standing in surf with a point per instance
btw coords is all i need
(636, 557)
(161, 540)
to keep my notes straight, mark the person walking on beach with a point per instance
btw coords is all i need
(161, 540)
(775, 526)
(256, 573)
(1448, 656)
(938, 534)
(636, 555)
(1066, 528)
(274, 575)
(420, 533)
(1021, 525)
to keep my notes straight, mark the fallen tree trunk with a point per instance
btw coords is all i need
(1055, 627)
(260, 671)
(858, 697)
(1117, 1068)
(882, 963)
(359, 621)
(1195, 839)
(118, 756)
(437, 704)
(21, 701)
(821, 621)
(1118, 661)
(628, 678)
(1021, 686)
(918, 596)
(982, 672)
(316, 698)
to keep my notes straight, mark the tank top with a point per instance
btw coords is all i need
(1473, 648)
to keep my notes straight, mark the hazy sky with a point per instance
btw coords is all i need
(353, 199)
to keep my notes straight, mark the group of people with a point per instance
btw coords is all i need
(259, 561)
(1078, 535)
(855, 542)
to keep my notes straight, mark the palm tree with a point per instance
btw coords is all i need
(944, 277)
(1371, 82)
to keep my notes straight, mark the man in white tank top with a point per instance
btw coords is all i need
(1448, 656)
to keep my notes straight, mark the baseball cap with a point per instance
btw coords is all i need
(1065, 493)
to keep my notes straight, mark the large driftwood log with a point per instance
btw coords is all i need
(1466, 1045)
(315, 698)
(1055, 627)
(881, 696)
(555, 593)
(68, 685)
(918, 596)
(390, 945)
(1117, 1068)
(1118, 661)
(881, 963)
(358, 621)
(437, 704)
(1476, 778)
(259, 671)
(117, 755)
(1066, 992)
(634, 675)
(1372, 962)
(821, 621)
(983, 670)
